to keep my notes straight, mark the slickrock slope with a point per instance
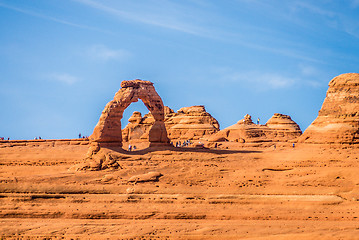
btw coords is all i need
(306, 192)
(338, 119)
(187, 123)
(280, 127)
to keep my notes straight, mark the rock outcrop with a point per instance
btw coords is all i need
(108, 129)
(147, 177)
(279, 128)
(188, 123)
(338, 119)
(243, 131)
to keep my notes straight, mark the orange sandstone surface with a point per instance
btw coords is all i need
(248, 183)
(338, 119)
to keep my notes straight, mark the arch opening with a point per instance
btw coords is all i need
(108, 130)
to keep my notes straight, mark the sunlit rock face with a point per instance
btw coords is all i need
(338, 119)
(108, 128)
(279, 128)
(188, 123)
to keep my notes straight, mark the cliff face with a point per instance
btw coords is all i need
(338, 119)
(278, 128)
(188, 123)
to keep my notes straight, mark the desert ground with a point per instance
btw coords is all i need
(236, 191)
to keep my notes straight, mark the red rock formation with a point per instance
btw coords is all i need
(282, 128)
(278, 128)
(338, 119)
(243, 130)
(188, 123)
(137, 130)
(108, 129)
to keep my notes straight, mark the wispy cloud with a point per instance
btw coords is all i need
(196, 22)
(355, 3)
(63, 78)
(168, 21)
(341, 21)
(53, 19)
(315, 9)
(102, 52)
(307, 70)
(305, 75)
(262, 80)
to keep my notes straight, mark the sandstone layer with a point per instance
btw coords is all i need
(279, 128)
(108, 129)
(188, 123)
(309, 192)
(338, 119)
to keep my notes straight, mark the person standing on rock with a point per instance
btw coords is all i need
(258, 121)
(129, 148)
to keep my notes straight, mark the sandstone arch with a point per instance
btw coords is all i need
(108, 128)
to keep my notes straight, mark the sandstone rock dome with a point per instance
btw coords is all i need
(338, 119)
(280, 127)
(190, 123)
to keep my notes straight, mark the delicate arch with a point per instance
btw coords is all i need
(108, 128)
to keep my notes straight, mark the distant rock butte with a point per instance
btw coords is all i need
(338, 119)
(280, 127)
(190, 123)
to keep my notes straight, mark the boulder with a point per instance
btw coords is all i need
(338, 119)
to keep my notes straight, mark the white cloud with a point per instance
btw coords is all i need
(261, 80)
(307, 70)
(64, 78)
(101, 52)
(276, 81)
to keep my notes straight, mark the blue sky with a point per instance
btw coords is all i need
(61, 61)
